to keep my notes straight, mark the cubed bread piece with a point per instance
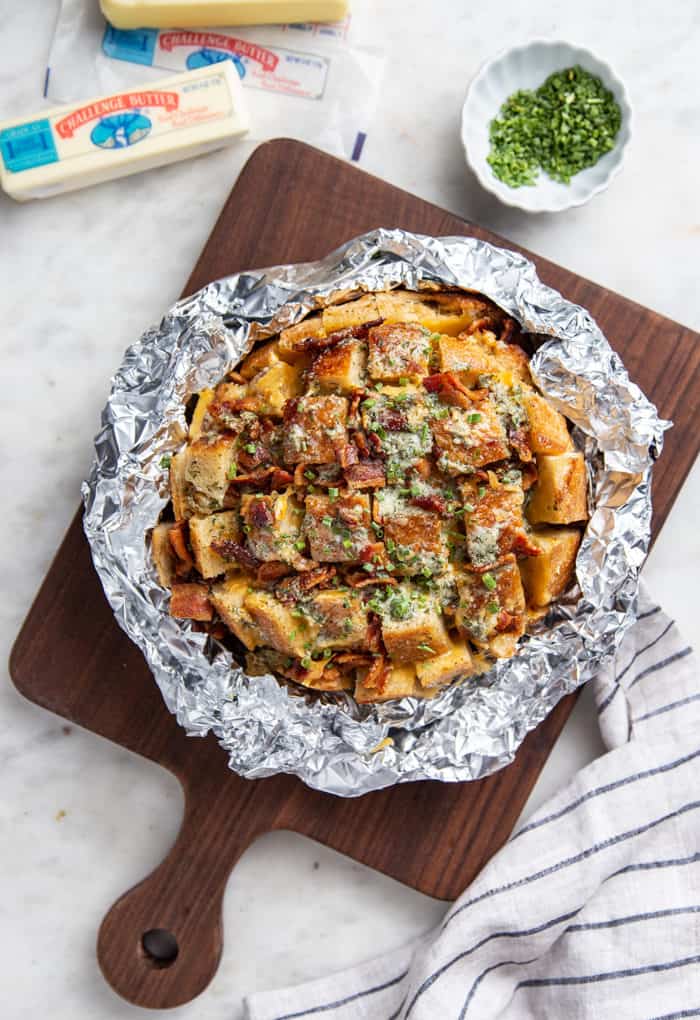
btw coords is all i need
(469, 439)
(272, 524)
(400, 682)
(513, 363)
(465, 357)
(282, 629)
(230, 392)
(209, 463)
(204, 531)
(163, 554)
(398, 416)
(191, 602)
(228, 597)
(560, 495)
(492, 605)
(342, 367)
(341, 617)
(314, 427)
(547, 429)
(275, 386)
(292, 336)
(178, 485)
(443, 669)
(398, 350)
(493, 521)
(200, 412)
(415, 541)
(547, 576)
(448, 313)
(263, 356)
(419, 634)
(338, 530)
(352, 313)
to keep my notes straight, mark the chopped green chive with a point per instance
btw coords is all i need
(332, 494)
(492, 607)
(165, 461)
(232, 472)
(489, 582)
(250, 447)
(474, 418)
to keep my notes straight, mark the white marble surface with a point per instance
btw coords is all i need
(80, 819)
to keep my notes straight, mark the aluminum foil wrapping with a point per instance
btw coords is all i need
(469, 730)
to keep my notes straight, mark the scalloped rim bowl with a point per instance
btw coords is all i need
(526, 67)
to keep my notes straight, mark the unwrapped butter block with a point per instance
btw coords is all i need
(190, 13)
(74, 146)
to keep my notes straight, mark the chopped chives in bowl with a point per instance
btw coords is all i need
(562, 127)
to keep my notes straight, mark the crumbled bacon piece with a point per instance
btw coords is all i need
(321, 343)
(290, 409)
(485, 568)
(351, 660)
(485, 322)
(394, 421)
(272, 571)
(260, 479)
(435, 503)
(372, 552)
(506, 621)
(375, 641)
(522, 545)
(223, 410)
(361, 444)
(367, 475)
(191, 602)
(232, 552)
(279, 478)
(290, 589)
(529, 475)
(355, 401)
(450, 389)
(375, 442)
(249, 461)
(518, 440)
(178, 535)
(261, 515)
(361, 579)
(378, 674)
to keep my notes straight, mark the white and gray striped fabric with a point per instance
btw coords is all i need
(592, 909)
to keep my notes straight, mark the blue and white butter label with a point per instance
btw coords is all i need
(273, 68)
(121, 121)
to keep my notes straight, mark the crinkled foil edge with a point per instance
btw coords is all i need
(469, 730)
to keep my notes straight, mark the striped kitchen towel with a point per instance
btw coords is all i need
(592, 909)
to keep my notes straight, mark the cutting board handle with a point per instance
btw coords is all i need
(160, 944)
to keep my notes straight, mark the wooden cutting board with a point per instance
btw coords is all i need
(292, 204)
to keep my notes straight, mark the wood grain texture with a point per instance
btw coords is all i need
(291, 204)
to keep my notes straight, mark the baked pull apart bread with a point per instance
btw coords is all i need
(377, 501)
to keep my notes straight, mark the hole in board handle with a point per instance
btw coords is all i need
(160, 947)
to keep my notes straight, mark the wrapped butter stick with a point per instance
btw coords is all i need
(71, 147)
(190, 13)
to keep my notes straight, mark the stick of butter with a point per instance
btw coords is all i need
(193, 14)
(71, 147)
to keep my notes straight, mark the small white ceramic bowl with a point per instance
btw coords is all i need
(526, 67)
